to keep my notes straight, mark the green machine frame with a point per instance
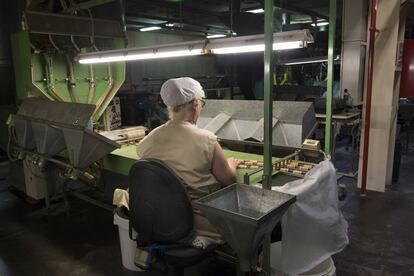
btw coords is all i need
(59, 77)
(44, 59)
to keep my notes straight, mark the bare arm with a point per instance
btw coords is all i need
(222, 168)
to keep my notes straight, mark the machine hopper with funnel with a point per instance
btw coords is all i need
(244, 215)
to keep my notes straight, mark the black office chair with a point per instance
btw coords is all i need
(161, 214)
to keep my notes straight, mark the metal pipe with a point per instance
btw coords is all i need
(38, 87)
(106, 93)
(123, 22)
(53, 43)
(50, 78)
(91, 93)
(268, 101)
(72, 39)
(371, 52)
(268, 116)
(72, 81)
(329, 91)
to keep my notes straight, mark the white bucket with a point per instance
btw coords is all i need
(128, 246)
(325, 268)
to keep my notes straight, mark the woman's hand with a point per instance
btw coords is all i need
(224, 169)
(233, 162)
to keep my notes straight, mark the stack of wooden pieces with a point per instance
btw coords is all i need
(296, 167)
(250, 164)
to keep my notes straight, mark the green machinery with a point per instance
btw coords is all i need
(70, 98)
(45, 66)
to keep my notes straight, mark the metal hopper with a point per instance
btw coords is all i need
(54, 126)
(24, 132)
(244, 215)
(49, 138)
(240, 120)
(85, 146)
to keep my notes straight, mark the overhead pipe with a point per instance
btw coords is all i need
(371, 52)
(123, 22)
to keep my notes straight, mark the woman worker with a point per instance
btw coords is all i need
(192, 153)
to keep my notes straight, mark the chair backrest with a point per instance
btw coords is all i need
(160, 209)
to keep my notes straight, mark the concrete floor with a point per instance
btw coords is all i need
(381, 228)
(86, 242)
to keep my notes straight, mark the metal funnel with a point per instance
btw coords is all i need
(244, 215)
(49, 138)
(65, 113)
(24, 132)
(85, 146)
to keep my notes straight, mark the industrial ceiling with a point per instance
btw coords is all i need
(216, 16)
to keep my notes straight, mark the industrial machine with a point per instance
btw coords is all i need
(56, 139)
(53, 139)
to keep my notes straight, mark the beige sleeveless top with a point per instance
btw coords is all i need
(187, 150)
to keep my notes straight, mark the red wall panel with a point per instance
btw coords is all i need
(407, 74)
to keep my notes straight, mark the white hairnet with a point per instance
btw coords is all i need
(179, 91)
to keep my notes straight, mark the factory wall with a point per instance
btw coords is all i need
(7, 26)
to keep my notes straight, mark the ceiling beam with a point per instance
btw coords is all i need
(293, 8)
(135, 17)
(87, 5)
(175, 6)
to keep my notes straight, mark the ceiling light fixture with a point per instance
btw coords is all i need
(255, 43)
(182, 49)
(256, 11)
(215, 35)
(169, 25)
(229, 45)
(320, 24)
(152, 28)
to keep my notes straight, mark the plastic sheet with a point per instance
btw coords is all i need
(314, 228)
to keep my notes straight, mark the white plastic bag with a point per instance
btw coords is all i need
(314, 228)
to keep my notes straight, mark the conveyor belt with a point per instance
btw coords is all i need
(121, 160)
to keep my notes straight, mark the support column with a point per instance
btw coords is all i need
(385, 94)
(354, 35)
(329, 86)
(268, 115)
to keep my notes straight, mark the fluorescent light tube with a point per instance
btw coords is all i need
(229, 45)
(257, 48)
(320, 24)
(216, 35)
(239, 49)
(256, 11)
(147, 29)
(154, 55)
